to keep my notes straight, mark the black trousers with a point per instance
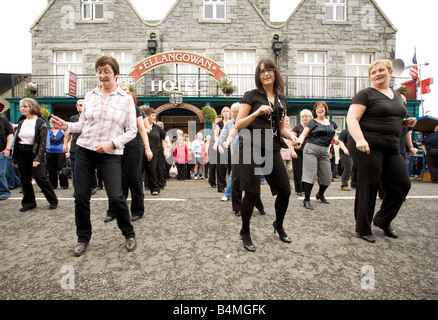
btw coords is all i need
(152, 174)
(55, 161)
(111, 169)
(432, 162)
(131, 181)
(297, 169)
(24, 157)
(384, 164)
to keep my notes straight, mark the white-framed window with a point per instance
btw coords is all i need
(357, 64)
(311, 70)
(336, 10)
(340, 121)
(215, 9)
(63, 61)
(240, 64)
(92, 9)
(123, 57)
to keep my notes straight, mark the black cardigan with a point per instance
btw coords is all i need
(39, 144)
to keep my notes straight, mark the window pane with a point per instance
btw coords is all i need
(208, 11)
(340, 13)
(329, 13)
(220, 11)
(87, 11)
(98, 11)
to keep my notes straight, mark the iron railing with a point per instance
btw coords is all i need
(201, 85)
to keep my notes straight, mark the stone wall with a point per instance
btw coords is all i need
(246, 27)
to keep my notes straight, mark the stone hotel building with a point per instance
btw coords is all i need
(323, 50)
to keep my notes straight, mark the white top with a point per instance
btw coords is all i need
(27, 131)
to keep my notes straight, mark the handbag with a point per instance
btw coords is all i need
(66, 168)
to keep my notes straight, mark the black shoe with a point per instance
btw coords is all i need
(389, 231)
(27, 209)
(299, 194)
(53, 206)
(283, 236)
(247, 242)
(213, 185)
(135, 218)
(80, 248)
(307, 205)
(238, 213)
(108, 219)
(368, 237)
(93, 191)
(322, 198)
(262, 211)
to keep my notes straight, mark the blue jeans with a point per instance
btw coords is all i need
(11, 176)
(228, 188)
(4, 190)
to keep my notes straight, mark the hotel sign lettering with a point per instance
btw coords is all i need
(177, 57)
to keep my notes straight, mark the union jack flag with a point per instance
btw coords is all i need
(414, 70)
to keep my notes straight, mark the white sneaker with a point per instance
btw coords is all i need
(196, 178)
(224, 198)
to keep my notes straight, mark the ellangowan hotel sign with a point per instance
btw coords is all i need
(175, 57)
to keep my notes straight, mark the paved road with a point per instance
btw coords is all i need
(189, 249)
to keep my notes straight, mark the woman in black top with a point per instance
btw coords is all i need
(261, 114)
(30, 155)
(156, 136)
(297, 163)
(375, 121)
(320, 132)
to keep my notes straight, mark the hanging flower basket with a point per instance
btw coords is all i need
(227, 87)
(30, 89)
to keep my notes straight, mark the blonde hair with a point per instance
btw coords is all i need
(385, 62)
(235, 107)
(223, 110)
(306, 112)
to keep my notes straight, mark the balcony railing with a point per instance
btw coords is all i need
(201, 85)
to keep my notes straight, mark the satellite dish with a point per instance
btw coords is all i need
(398, 66)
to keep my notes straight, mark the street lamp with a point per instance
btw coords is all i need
(175, 96)
(152, 44)
(277, 46)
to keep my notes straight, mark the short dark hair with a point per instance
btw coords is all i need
(104, 60)
(318, 103)
(278, 83)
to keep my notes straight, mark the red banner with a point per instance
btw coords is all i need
(161, 59)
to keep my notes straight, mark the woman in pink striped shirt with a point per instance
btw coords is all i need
(106, 124)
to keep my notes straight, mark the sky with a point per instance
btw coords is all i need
(415, 21)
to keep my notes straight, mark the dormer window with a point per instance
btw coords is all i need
(336, 10)
(215, 9)
(92, 9)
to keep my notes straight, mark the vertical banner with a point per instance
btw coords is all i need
(70, 83)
